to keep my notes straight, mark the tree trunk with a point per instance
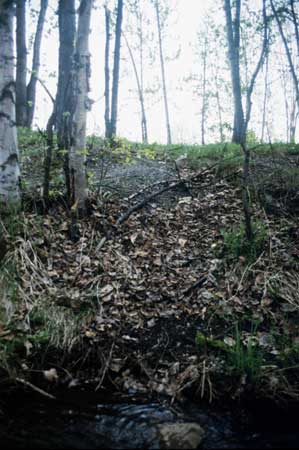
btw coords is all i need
(140, 93)
(115, 82)
(9, 157)
(67, 36)
(265, 101)
(257, 69)
(48, 159)
(107, 72)
(64, 107)
(218, 101)
(142, 103)
(233, 38)
(221, 133)
(293, 121)
(295, 23)
(79, 193)
(168, 129)
(239, 133)
(31, 88)
(204, 91)
(288, 52)
(21, 72)
(245, 196)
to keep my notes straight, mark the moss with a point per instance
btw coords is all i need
(203, 343)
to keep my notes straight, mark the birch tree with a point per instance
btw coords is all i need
(9, 158)
(80, 88)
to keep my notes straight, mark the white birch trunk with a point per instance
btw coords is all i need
(9, 157)
(77, 156)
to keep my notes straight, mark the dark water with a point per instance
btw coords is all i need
(85, 420)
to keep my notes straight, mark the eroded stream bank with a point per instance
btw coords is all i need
(83, 419)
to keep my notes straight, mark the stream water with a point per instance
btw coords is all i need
(85, 420)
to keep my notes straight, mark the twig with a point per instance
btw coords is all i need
(196, 285)
(35, 388)
(144, 202)
(43, 84)
(106, 367)
(146, 188)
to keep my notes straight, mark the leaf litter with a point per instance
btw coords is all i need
(131, 306)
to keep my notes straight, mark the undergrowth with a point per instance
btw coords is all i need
(235, 243)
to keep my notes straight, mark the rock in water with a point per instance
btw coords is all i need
(180, 435)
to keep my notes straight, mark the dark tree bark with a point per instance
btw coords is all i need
(31, 88)
(242, 120)
(163, 74)
(116, 67)
(21, 72)
(107, 72)
(80, 89)
(48, 159)
(67, 35)
(233, 39)
(60, 119)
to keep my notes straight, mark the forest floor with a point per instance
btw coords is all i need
(169, 299)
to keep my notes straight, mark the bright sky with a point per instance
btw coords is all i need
(183, 104)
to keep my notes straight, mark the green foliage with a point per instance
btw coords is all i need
(204, 342)
(56, 325)
(30, 141)
(9, 290)
(11, 220)
(251, 138)
(235, 243)
(245, 359)
(240, 359)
